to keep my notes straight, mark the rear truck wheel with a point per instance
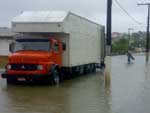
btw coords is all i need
(55, 77)
(85, 69)
(93, 68)
(90, 68)
(81, 70)
(102, 65)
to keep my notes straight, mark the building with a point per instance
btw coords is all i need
(6, 36)
(116, 36)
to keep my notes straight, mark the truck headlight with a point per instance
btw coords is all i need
(8, 66)
(39, 67)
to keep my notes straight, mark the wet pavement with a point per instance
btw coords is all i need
(129, 92)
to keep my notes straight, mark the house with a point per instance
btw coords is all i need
(116, 36)
(6, 36)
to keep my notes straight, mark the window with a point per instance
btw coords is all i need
(32, 44)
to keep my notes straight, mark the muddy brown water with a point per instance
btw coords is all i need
(129, 92)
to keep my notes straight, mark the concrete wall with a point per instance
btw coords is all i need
(4, 47)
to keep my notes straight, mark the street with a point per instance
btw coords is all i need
(129, 92)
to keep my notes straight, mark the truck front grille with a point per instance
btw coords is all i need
(25, 67)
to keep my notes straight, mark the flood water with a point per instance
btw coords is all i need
(129, 92)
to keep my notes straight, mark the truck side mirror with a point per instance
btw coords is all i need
(11, 46)
(64, 46)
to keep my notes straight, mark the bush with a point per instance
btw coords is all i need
(120, 46)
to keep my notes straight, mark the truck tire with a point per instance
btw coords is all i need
(86, 70)
(94, 68)
(81, 70)
(11, 81)
(90, 68)
(55, 77)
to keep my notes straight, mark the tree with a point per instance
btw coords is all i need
(120, 47)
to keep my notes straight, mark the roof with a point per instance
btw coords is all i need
(5, 32)
(41, 16)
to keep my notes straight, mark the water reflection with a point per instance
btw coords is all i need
(35, 99)
(85, 94)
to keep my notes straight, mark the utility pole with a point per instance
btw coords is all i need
(147, 36)
(108, 43)
(129, 36)
(109, 8)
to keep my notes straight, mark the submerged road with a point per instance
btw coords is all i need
(129, 92)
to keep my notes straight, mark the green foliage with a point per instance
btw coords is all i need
(135, 40)
(138, 40)
(121, 46)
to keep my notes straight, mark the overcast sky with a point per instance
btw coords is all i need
(92, 9)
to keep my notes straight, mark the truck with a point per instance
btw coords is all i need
(50, 46)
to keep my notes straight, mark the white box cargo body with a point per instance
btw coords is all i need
(84, 39)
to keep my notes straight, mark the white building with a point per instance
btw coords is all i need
(5, 39)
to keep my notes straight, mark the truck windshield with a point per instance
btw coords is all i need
(32, 44)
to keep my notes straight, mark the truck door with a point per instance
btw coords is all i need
(57, 52)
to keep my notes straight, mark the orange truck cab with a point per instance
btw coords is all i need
(34, 60)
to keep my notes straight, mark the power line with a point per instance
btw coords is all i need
(139, 23)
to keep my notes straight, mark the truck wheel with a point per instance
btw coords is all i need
(93, 68)
(55, 78)
(81, 70)
(11, 81)
(86, 69)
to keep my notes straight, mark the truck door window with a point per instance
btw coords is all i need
(56, 47)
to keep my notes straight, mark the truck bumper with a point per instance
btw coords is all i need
(3, 75)
(26, 77)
